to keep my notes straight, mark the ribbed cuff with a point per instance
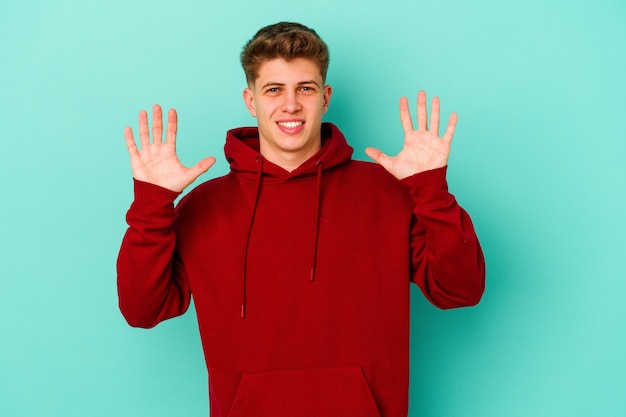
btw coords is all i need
(429, 189)
(152, 203)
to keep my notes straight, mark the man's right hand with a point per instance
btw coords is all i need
(157, 162)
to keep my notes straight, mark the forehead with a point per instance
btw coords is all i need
(280, 71)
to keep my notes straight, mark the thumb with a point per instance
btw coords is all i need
(202, 166)
(380, 158)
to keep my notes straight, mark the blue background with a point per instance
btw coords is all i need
(537, 160)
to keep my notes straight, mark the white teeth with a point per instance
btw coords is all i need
(290, 125)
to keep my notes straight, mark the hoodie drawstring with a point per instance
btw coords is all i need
(244, 274)
(318, 191)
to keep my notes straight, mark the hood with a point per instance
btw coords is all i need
(242, 153)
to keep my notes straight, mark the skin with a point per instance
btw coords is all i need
(423, 148)
(157, 162)
(288, 92)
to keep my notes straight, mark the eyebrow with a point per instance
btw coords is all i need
(272, 83)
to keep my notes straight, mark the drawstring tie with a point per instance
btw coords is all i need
(244, 276)
(318, 187)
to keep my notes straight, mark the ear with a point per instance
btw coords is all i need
(248, 99)
(328, 91)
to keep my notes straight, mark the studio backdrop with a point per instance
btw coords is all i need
(537, 160)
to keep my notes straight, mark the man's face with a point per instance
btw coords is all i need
(288, 98)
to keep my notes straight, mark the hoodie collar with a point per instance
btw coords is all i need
(242, 151)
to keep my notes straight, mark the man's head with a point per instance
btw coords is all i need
(286, 67)
(284, 40)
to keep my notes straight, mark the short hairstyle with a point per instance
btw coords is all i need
(286, 40)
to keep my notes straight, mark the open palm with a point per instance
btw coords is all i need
(157, 162)
(423, 149)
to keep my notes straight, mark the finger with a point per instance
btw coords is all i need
(447, 136)
(144, 135)
(157, 124)
(199, 169)
(405, 115)
(380, 158)
(434, 116)
(130, 142)
(172, 127)
(204, 165)
(422, 114)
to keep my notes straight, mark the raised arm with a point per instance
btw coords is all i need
(152, 286)
(447, 259)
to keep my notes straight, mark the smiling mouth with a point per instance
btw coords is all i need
(290, 125)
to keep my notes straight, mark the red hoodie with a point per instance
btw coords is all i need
(300, 279)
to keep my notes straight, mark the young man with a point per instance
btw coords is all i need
(299, 260)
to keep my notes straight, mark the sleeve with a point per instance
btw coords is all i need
(447, 260)
(151, 280)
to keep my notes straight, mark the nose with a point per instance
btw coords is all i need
(291, 103)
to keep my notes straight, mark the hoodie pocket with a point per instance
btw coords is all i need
(328, 392)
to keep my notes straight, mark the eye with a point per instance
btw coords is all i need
(273, 90)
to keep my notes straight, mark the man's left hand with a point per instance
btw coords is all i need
(423, 148)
